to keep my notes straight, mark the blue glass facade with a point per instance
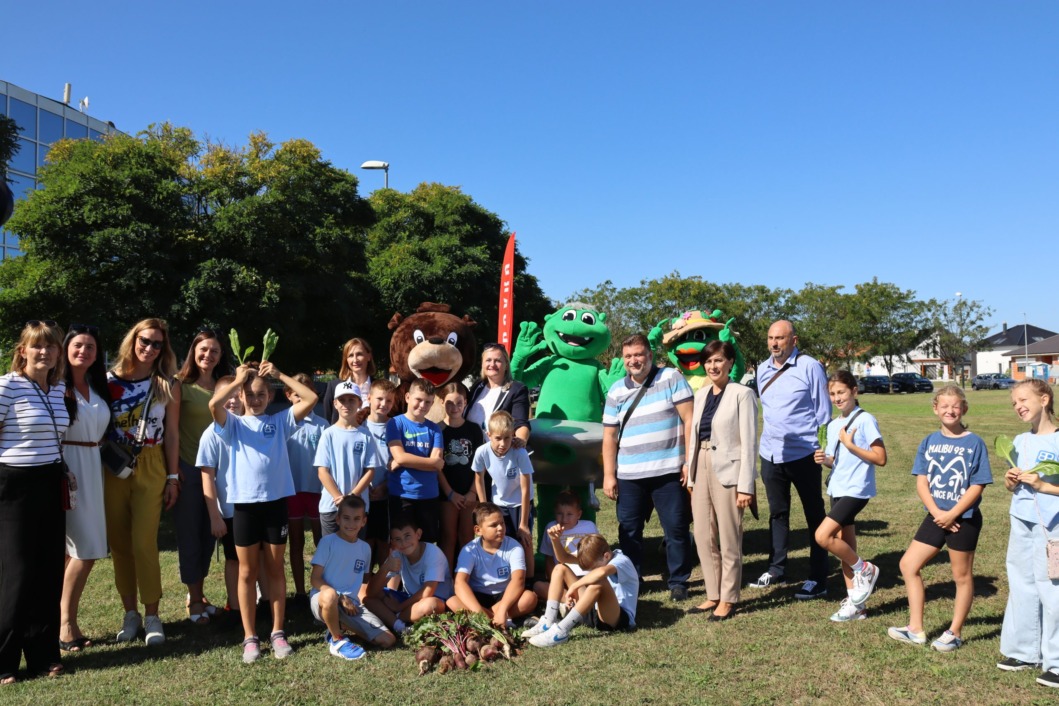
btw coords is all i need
(41, 122)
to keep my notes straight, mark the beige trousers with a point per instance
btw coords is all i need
(718, 532)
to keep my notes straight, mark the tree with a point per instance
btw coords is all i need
(957, 330)
(894, 321)
(156, 225)
(8, 147)
(436, 244)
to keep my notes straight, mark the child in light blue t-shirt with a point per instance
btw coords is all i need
(511, 478)
(212, 462)
(414, 581)
(303, 507)
(346, 460)
(853, 449)
(339, 566)
(259, 483)
(491, 571)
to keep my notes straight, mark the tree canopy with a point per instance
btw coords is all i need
(261, 236)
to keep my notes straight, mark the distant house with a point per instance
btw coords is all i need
(1038, 360)
(995, 355)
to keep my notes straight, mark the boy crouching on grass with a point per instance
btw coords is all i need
(491, 571)
(604, 597)
(338, 573)
(414, 581)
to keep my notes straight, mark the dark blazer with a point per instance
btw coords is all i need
(734, 437)
(514, 400)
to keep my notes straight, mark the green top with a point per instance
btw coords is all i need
(194, 418)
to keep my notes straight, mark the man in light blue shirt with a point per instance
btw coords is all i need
(794, 405)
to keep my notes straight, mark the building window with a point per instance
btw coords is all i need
(26, 116)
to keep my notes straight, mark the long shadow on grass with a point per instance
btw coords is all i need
(651, 614)
(984, 587)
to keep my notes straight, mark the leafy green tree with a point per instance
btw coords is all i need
(958, 330)
(437, 244)
(828, 324)
(894, 321)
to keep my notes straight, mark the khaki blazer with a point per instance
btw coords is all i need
(734, 437)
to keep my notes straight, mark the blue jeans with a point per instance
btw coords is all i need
(670, 499)
(1031, 619)
(804, 474)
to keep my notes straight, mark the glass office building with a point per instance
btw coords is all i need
(42, 121)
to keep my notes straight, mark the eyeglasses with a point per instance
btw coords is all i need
(85, 328)
(46, 322)
(148, 343)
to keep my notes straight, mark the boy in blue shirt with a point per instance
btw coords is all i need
(303, 512)
(605, 596)
(345, 457)
(511, 478)
(491, 571)
(416, 447)
(339, 566)
(413, 582)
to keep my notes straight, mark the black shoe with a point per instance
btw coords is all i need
(1010, 664)
(1049, 678)
(810, 590)
(678, 593)
(714, 618)
(696, 609)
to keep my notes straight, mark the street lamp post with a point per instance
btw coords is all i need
(384, 166)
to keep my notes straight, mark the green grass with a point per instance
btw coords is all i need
(777, 651)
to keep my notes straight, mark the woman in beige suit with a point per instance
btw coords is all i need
(722, 444)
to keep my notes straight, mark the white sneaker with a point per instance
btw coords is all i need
(766, 580)
(849, 611)
(551, 638)
(535, 630)
(130, 626)
(152, 626)
(864, 583)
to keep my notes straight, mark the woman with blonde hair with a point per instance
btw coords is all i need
(146, 407)
(358, 367)
(33, 419)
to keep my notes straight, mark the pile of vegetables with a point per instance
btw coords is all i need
(268, 346)
(461, 640)
(1005, 449)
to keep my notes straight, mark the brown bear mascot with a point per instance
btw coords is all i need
(432, 344)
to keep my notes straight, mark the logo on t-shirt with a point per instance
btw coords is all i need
(422, 578)
(512, 471)
(358, 447)
(269, 430)
(503, 572)
(359, 565)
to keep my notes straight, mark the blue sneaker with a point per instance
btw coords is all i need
(550, 638)
(905, 634)
(345, 649)
(948, 642)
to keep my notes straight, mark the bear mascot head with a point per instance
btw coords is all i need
(432, 344)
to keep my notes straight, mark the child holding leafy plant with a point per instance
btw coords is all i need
(1030, 635)
(951, 470)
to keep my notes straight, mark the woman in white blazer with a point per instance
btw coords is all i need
(722, 472)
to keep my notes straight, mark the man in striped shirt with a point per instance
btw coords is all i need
(643, 458)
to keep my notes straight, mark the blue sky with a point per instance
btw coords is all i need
(755, 142)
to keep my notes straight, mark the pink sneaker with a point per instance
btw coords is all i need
(280, 647)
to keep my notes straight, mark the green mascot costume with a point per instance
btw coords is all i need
(683, 338)
(567, 437)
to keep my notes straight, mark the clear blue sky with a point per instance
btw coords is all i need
(775, 143)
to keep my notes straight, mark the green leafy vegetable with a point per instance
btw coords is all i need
(1005, 449)
(1045, 468)
(268, 346)
(240, 355)
(821, 437)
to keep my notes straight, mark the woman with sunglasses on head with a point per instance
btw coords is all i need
(496, 391)
(33, 419)
(357, 367)
(146, 406)
(205, 363)
(88, 402)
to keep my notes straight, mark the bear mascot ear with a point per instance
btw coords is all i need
(395, 321)
(468, 321)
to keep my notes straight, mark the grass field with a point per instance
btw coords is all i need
(777, 650)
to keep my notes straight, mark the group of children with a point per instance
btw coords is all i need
(952, 468)
(379, 490)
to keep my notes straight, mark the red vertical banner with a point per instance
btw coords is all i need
(506, 319)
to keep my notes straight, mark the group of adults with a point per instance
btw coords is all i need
(661, 441)
(59, 405)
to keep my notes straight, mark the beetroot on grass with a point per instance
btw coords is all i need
(461, 663)
(489, 653)
(446, 664)
(471, 659)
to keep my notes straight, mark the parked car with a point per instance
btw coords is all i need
(875, 383)
(911, 382)
(992, 381)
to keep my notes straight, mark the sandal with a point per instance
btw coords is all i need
(55, 670)
(8, 679)
(75, 645)
(201, 617)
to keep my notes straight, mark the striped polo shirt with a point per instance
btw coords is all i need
(653, 442)
(27, 435)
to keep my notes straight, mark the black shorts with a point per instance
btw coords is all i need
(488, 600)
(844, 509)
(963, 540)
(378, 525)
(427, 514)
(512, 518)
(228, 541)
(624, 625)
(260, 522)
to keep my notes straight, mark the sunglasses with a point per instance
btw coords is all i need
(206, 329)
(493, 346)
(148, 343)
(85, 328)
(46, 322)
